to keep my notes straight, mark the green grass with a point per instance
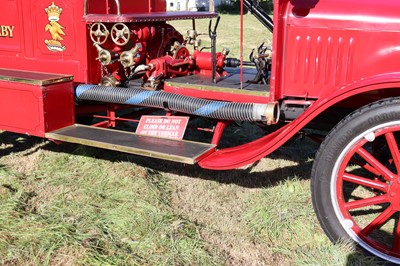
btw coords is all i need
(290, 227)
(81, 210)
(228, 33)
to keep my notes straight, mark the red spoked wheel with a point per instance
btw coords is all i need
(356, 180)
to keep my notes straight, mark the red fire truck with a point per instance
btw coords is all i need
(75, 70)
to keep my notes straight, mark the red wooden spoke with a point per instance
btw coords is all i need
(394, 150)
(365, 166)
(384, 171)
(396, 243)
(378, 221)
(355, 204)
(366, 182)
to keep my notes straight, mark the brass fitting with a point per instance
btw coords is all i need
(272, 113)
(192, 34)
(104, 55)
(226, 51)
(127, 58)
(109, 81)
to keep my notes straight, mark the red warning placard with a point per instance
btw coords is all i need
(172, 127)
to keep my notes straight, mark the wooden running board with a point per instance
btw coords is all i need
(168, 149)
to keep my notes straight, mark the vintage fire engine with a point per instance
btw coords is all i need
(76, 70)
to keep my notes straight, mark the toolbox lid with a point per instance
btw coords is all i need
(33, 78)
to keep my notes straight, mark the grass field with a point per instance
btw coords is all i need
(73, 205)
(228, 33)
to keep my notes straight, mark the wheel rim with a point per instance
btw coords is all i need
(365, 190)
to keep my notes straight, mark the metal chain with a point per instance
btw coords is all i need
(126, 73)
(104, 69)
(128, 76)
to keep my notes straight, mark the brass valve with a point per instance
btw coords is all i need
(105, 56)
(226, 51)
(127, 58)
(109, 81)
(192, 39)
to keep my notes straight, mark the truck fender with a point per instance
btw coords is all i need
(234, 157)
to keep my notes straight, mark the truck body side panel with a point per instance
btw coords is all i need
(42, 44)
(327, 47)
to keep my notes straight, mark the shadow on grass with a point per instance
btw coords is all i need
(16, 143)
(249, 177)
(298, 155)
(363, 258)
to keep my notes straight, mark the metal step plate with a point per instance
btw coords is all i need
(168, 149)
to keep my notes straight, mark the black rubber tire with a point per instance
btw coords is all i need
(330, 156)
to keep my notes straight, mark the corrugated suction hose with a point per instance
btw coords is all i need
(174, 102)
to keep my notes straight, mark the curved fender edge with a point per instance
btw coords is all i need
(235, 157)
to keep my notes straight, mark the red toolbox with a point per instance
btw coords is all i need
(35, 103)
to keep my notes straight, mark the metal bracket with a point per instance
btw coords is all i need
(213, 37)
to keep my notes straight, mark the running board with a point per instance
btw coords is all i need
(168, 149)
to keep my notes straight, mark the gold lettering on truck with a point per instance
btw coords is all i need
(6, 31)
(55, 29)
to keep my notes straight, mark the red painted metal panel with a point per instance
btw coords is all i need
(321, 61)
(276, 88)
(41, 43)
(10, 40)
(346, 14)
(320, 46)
(35, 110)
(20, 108)
(59, 104)
(136, 6)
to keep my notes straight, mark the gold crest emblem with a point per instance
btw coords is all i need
(55, 29)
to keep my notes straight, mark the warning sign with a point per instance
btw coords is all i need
(172, 127)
